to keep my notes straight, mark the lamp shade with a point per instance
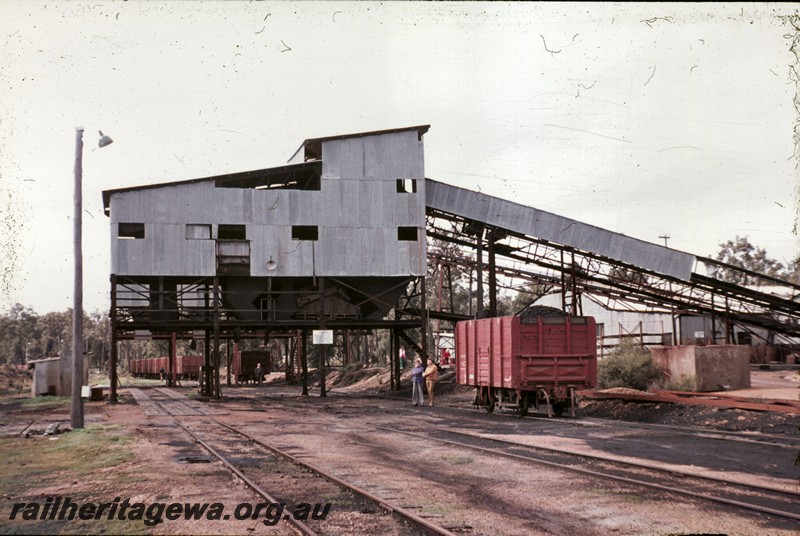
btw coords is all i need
(104, 140)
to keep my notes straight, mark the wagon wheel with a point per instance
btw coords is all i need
(523, 405)
(559, 408)
(488, 404)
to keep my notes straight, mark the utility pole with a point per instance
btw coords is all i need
(76, 408)
(665, 237)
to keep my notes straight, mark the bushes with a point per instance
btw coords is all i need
(629, 365)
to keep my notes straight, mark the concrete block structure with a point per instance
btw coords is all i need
(714, 368)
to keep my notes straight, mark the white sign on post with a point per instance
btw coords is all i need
(322, 336)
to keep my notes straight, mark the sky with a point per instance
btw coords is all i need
(647, 119)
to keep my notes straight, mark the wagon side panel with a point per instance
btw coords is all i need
(559, 352)
(463, 367)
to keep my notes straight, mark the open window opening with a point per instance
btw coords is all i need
(231, 232)
(130, 231)
(407, 233)
(305, 232)
(406, 186)
(291, 177)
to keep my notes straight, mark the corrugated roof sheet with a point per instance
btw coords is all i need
(543, 225)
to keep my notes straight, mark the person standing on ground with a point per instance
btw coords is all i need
(259, 374)
(431, 375)
(417, 398)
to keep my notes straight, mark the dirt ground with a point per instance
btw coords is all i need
(766, 385)
(150, 472)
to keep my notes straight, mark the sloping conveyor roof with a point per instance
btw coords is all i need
(543, 225)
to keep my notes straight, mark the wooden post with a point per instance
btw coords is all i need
(304, 361)
(323, 347)
(76, 405)
(228, 360)
(217, 360)
(112, 367)
(479, 291)
(173, 352)
(492, 276)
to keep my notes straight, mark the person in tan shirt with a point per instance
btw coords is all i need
(431, 375)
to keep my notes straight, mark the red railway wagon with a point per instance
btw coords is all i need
(521, 361)
(187, 367)
(244, 364)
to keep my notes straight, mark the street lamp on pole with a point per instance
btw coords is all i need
(76, 410)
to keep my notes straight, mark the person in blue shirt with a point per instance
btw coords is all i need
(417, 398)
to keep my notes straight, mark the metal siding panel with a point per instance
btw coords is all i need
(390, 252)
(373, 263)
(229, 204)
(421, 193)
(308, 208)
(207, 195)
(259, 249)
(348, 203)
(270, 206)
(363, 209)
(331, 159)
(375, 154)
(385, 215)
(164, 202)
(334, 244)
(114, 250)
(332, 202)
(351, 164)
(296, 256)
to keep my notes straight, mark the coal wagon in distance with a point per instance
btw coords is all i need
(541, 355)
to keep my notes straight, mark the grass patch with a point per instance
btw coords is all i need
(49, 401)
(138, 382)
(684, 383)
(457, 460)
(29, 466)
(76, 454)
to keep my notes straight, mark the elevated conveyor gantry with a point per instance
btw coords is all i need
(614, 270)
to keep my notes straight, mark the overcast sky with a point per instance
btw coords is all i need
(644, 119)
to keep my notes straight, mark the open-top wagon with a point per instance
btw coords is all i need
(541, 355)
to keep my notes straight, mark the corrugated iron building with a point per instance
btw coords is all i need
(350, 207)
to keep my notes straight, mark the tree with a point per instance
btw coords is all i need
(529, 294)
(19, 334)
(742, 254)
(56, 333)
(97, 333)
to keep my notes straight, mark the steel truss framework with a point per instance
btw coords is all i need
(619, 286)
(178, 308)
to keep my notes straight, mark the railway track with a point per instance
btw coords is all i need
(281, 478)
(769, 500)
(757, 438)
(779, 441)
